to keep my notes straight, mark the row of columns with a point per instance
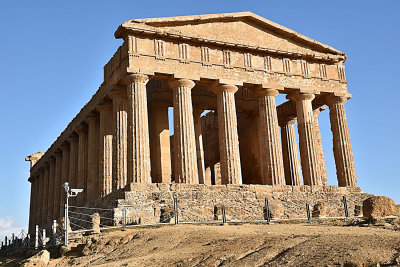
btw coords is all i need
(111, 148)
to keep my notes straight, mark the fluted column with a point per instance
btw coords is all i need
(318, 143)
(45, 194)
(37, 196)
(105, 149)
(57, 185)
(342, 150)
(50, 189)
(33, 203)
(199, 145)
(138, 149)
(41, 210)
(184, 136)
(160, 148)
(93, 158)
(73, 162)
(120, 125)
(308, 151)
(270, 143)
(65, 148)
(290, 153)
(81, 130)
(231, 172)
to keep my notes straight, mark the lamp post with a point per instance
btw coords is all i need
(69, 193)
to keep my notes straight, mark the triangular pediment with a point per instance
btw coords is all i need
(244, 28)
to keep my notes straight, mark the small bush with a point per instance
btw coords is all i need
(63, 250)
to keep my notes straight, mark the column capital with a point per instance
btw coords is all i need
(118, 93)
(135, 77)
(287, 120)
(175, 83)
(336, 99)
(218, 88)
(81, 128)
(64, 146)
(318, 110)
(298, 96)
(260, 92)
(51, 159)
(197, 111)
(104, 107)
(72, 138)
(91, 119)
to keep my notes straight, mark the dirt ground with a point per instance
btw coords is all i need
(238, 245)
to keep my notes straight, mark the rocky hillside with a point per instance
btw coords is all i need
(301, 244)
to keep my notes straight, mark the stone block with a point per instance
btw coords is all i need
(319, 210)
(378, 207)
(357, 210)
(95, 223)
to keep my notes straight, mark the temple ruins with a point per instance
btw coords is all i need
(232, 65)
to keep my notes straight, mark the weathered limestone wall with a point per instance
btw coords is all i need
(153, 203)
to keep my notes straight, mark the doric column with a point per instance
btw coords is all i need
(342, 150)
(93, 158)
(50, 189)
(57, 185)
(160, 151)
(33, 203)
(308, 151)
(318, 143)
(138, 149)
(105, 149)
(40, 197)
(65, 148)
(290, 153)
(73, 162)
(231, 172)
(81, 130)
(45, 194)
(199, 145)
(270, 143)
(184, 136)
(120, 125)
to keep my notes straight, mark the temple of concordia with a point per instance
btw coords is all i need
(120, 150)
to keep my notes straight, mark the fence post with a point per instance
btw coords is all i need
(267, 211)
(44, 238)
(123, 219)
(308, 211)
(223, 215)
(37, 237)
(54, 241)
(66, 222)
(346, 210)
(176, 210)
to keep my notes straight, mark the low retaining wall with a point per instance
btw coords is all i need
(153, 203)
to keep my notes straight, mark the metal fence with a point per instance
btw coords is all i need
(94, 220)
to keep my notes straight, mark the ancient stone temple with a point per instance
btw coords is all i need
(232, 65)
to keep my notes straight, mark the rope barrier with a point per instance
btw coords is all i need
(79, 226)
(86, 221)
(91, 215)
(88, 208)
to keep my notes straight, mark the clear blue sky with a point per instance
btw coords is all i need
(52, 55)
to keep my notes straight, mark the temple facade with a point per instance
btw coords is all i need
(233, 65)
